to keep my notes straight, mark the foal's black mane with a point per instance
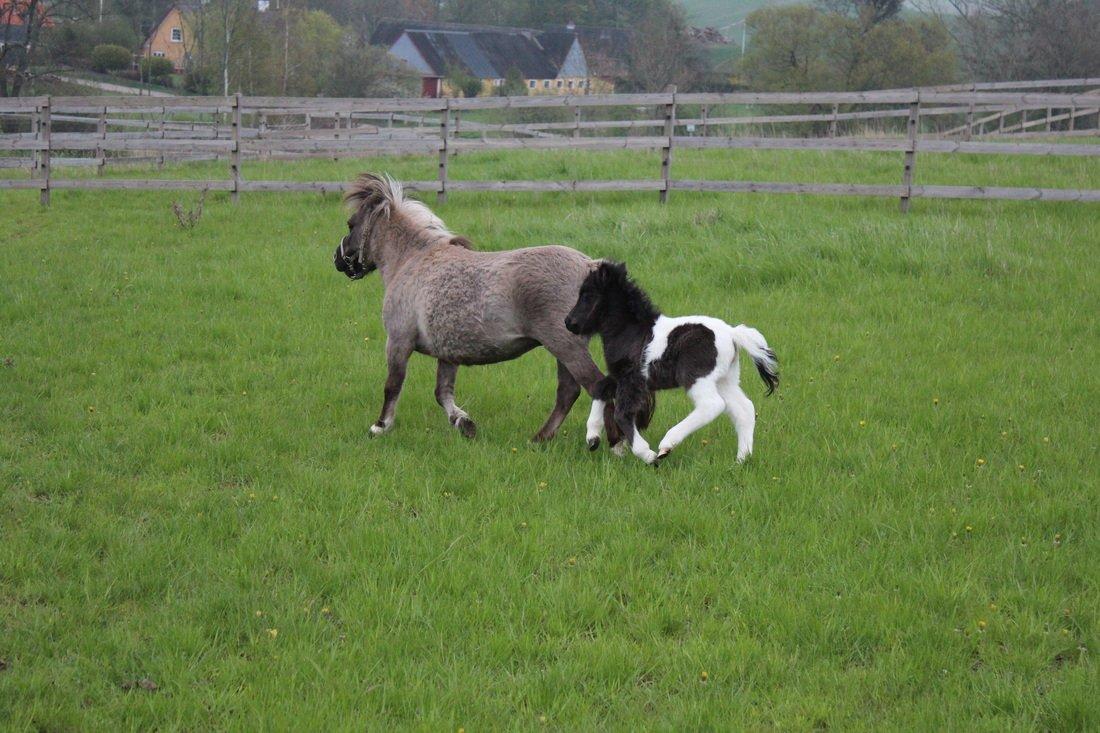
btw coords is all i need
(615, 280)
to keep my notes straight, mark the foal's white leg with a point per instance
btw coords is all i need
(708, 405)
(741, 413)
(595, 423)
(640, 447)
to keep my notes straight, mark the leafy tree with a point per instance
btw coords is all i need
(513, 85)
(71, 44)
(157, 70)
(459, 79)
(790, 49)
(108, 57)
(805, 48)
(867, 12)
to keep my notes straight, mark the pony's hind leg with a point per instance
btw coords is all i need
(568, 392)
(741, 413)
(708, 405)
(445, 395)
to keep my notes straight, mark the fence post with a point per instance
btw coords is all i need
(913, 130)
(666, 151)
(832, 122)
(1001, 121)
(261, 133)
(160, 157)
(969, 122)
(444, 124)
(1050, 113)
(44, 139)
(576, 122)
(1072, 116)
(235, 154)
(705, 123)
(100, 153)
(36, 128)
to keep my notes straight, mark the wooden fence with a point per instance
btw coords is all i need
(97, 130)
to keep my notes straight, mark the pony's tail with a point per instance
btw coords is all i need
(752, 342)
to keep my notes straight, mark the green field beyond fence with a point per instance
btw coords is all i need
(198, 534)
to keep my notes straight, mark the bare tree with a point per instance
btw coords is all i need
(661, 52)
(1024, 39)
(28, 19)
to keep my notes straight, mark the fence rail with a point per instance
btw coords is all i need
(238, 128)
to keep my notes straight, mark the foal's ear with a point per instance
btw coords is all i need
(609, 272)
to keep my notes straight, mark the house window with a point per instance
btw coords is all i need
(177, 35)
(531, 84)
(545, 83)
(159, 54)
(559, 83)
(570, 83)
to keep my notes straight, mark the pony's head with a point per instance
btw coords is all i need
(374, 199)
(608, 294)
(369, 198)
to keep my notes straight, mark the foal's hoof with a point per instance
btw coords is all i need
(378, 428)
(619, 449)
(593, 443)
(465, 426)
(661, 456)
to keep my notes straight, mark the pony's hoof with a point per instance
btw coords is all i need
(651, 458)
(466, 426)
(593, 443)
(619, 449)
(378, 428)
(661, 455)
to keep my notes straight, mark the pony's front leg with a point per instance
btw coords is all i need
(398, 352)
(445, 395)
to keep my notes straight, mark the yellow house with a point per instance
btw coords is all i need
(170, 38)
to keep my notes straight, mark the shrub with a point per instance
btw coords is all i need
(109, 57)
(514, 85)
(157, 69)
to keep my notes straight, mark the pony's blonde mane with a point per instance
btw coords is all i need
(384, 197)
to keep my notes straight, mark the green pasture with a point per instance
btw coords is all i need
(196, 532)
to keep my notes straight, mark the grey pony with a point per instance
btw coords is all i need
(464, 307)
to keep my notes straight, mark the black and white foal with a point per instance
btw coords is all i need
(647, 351)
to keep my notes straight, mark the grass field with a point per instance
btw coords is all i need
(190, 499)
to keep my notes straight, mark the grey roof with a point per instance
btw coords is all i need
(490, 52)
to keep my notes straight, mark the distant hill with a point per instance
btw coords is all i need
(718, 13)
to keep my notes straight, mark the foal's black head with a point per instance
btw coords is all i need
(608, 296)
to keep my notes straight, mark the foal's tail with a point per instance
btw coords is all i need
(752, 342)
